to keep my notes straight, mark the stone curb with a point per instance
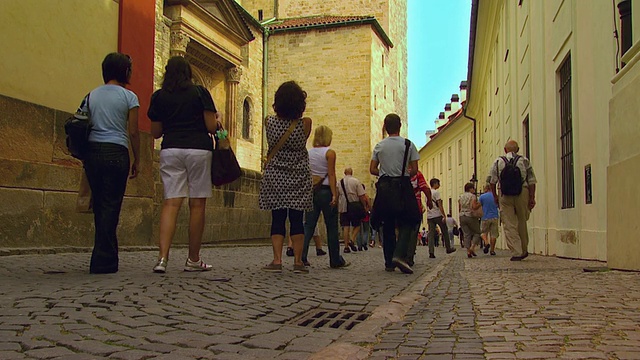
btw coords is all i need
(355, 344)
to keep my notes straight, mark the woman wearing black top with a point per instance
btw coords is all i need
(184, 114)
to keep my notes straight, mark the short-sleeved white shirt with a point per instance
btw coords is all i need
(526, 170)
(354, 191)
(434, 212)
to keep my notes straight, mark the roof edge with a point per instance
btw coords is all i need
(370, 20)
(472, 44)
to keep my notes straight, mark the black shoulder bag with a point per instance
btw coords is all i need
(355, 209)
(77, 129)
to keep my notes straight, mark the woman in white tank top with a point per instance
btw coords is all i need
(322, 161)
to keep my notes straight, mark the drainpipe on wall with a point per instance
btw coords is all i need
(265, 41)
(474, 178)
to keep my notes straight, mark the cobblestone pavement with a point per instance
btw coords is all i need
(51, 308)
(451, 308)
(540, 308)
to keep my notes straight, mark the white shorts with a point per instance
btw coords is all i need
(186, 173)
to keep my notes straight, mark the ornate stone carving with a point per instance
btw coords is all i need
(178, 43)
(234, 74)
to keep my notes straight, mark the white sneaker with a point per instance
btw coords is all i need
(161, 266)
(196, 265)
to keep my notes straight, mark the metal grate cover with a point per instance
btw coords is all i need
(335, 319)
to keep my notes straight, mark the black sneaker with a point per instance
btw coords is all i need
(389, 269)
(353, 247)
(320, 252)
(359, 248)
(432, 256)
(403, 266)
(486, 249)
(524, 256)
(289, 251)
(516, 258)
(451, 250)
(365, 248)
(306, 263)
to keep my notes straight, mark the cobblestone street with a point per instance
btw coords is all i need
(451, 308)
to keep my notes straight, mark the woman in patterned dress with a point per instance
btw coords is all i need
(286, 183)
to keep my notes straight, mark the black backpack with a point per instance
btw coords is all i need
(510, 177)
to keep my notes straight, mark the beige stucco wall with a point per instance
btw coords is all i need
(42, 49)
(623, 250)
(539, 36)
(454, 172)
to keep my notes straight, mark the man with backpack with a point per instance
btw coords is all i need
(517, 183)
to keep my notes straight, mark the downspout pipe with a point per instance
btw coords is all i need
(265, 106)
(474, 178)
(472, 48)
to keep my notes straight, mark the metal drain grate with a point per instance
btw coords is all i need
(331, 319)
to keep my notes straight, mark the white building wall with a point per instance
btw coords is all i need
(507, 87)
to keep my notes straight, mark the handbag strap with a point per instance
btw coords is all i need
(346, 196)
(407, 142)
(281, 142)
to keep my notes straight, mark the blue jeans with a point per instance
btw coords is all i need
(107, 169)
(363, 235)
(322, 204)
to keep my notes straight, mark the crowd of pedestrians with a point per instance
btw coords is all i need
(298, 184)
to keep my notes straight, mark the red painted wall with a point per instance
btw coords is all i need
(136, 37)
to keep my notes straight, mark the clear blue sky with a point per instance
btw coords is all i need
(438, 46)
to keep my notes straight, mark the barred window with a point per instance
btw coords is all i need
(566, 136)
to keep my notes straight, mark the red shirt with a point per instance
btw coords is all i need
(419, 185)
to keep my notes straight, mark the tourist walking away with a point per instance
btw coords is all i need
(113, 111)
(490, 226)
(468, 206)
(183, 114)
(516, 198)
(322, 162)
(365, 233)
(285, 189)
(435, 217)
(423, 236)
(453, 228)
(352, 205)
(395, 160)
(420, 186)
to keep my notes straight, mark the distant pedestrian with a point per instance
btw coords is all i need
(114, 115)
(420, 186)
(489, 226)
(365, 233)
(517, 197)
(183, 114)
(351, 191)
(395, 160)
(435, 217)
(286, 183)
(469, 222)
(322, 162)
(453, 228)
(423, 236)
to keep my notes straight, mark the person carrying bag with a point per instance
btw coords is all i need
(395, 204)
